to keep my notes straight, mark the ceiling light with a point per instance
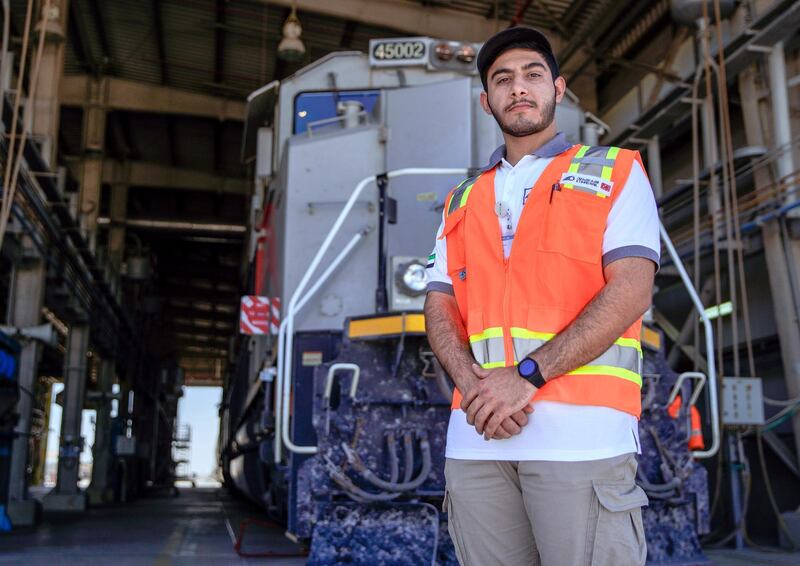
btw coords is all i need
(291, 47)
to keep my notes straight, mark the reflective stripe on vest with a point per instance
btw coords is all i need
(623, 359)
(460, 194)
(597, 161)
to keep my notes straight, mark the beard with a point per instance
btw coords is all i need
(520, 126)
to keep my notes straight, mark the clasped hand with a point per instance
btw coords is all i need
(498, 403)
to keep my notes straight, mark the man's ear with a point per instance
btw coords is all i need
(485, 103)
(561, 88)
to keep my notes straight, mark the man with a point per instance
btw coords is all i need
(542, 269)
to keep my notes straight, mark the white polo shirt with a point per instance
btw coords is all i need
(557, 431)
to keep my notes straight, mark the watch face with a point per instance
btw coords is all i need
(527, 367)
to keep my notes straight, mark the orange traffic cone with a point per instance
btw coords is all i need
(696, 441)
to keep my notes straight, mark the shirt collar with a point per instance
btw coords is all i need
(556, 145)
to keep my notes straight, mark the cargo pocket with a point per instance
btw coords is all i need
(458, 276)
(618, 537)
(454, 530)
(574, 225)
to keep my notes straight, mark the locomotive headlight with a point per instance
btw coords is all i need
(466, 53)
(443, 51)
(411, 278)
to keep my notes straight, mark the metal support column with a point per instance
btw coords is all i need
(94, 135)
(27, 297)
(66, 496)
(47, 103)
(118, 212)
(734, 474)
(789, 251)
(781, 281)
(99, 490)
(781, 116)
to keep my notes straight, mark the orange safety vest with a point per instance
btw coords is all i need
(510, 307)
(696, 441)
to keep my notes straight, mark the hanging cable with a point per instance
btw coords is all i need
(713, 197)
(696, 200)
(779, 402)
(734, 200)
(7, 196)
(10, 185)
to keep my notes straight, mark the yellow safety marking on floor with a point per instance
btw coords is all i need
(173, 544)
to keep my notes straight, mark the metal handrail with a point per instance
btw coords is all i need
(282, 330)
(709, 334)
(355, 368)
(325, 121)
(700, 377)
(286, 330)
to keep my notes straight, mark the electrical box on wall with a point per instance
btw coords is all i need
(742, 401)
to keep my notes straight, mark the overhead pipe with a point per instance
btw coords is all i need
(781, 119)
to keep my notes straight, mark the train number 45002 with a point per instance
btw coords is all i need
(399, 50)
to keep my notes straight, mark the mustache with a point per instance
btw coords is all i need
(520, 102)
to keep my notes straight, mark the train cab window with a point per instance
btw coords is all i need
(312, 107)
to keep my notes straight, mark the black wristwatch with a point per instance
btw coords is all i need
(528, 369)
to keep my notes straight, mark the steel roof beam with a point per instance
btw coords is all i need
(194, 338)
(574, 10)
(181, 294)
(181, 227)
(197, 314)
(219, 77)
(149, 175)
(158, 27)
(99, 19)
(79, 36)
(135, 96)
(520, 13)
(582, 41)
(214, 355)
(405, 16)
(211, 329)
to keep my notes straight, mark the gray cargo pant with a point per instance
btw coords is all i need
(548, 513)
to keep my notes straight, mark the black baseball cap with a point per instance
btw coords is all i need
(503, 40)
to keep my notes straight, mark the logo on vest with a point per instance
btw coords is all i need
(588, 182)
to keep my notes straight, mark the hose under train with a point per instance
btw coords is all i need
(392, 488)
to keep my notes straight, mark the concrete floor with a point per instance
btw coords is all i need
(752, 557)
(196, 528)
